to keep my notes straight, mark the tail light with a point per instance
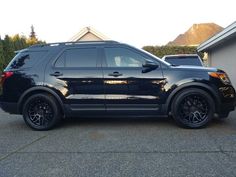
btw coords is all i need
(5, 75)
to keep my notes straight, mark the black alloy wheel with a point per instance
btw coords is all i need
(41, 112)
(193, 108)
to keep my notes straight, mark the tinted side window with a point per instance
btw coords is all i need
(26, 59)
(122, 57)
(83, 57)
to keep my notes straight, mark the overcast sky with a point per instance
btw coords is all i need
(137, 22)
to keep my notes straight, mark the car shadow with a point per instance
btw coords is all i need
(137, 121)
(78, 121)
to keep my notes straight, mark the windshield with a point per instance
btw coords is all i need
(190, 60)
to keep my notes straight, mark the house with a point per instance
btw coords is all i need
(88, 34)
(221, 50)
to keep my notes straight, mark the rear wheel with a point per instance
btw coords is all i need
(193, 108)
(41, 112)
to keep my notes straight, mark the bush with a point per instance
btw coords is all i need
(160, 51)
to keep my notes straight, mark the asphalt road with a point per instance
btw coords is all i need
(117, 147)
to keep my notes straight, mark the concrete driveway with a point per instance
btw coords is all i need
(117, 147)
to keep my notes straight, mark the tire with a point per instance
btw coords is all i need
(193, 108)
(41, 112)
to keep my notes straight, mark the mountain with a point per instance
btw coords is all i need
(196, 34)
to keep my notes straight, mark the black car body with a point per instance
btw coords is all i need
(183, 59)
(51, 81)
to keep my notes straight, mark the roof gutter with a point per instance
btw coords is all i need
(225, 33)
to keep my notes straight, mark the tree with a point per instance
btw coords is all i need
(2, 60)
(8, 49)
(32, 34)
(32, 37)
(19, 42)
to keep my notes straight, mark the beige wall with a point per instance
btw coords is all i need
(89, 37)
(224, 57)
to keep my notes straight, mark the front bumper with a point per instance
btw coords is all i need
(228, 101)
(225, 108)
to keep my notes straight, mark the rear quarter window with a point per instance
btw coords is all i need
(26, 59)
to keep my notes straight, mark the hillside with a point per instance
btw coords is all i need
(196, 34)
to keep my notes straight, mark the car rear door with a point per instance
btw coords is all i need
(77, 75)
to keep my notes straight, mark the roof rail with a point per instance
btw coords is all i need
(72, 43)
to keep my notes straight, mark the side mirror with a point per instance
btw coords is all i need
(150, 64)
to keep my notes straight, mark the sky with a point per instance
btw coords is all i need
(136, 22)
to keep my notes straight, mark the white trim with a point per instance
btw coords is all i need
(86, 30)
(227, 32)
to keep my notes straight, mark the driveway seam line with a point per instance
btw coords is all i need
(126, 152)
(21, 148)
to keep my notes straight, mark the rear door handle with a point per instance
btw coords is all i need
(115, 74)
(56, 74)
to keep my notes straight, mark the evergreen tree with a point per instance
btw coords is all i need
(23, 40)
(8, 49)
(2, 60)
(32, 37)
(19, 42)
(32, 33)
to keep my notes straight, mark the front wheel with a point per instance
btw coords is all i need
(41, 112)
(193, 108)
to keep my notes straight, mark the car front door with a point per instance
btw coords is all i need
(131, 87)
(77, 74)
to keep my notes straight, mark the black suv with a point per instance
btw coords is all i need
(46, 83)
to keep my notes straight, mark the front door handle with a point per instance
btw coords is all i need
(56, 74)
(115, 74)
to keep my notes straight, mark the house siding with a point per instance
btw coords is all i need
(224, 57)
(89, 37)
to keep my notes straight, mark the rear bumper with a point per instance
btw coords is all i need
(9, 107)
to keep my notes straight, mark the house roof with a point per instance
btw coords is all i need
(226, 34)
(86, 30)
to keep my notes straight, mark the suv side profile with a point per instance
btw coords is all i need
(46, 83)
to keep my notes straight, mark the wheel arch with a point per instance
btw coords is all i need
(203, 86)
(39, 89)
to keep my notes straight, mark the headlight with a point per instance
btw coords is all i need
(222, 76)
